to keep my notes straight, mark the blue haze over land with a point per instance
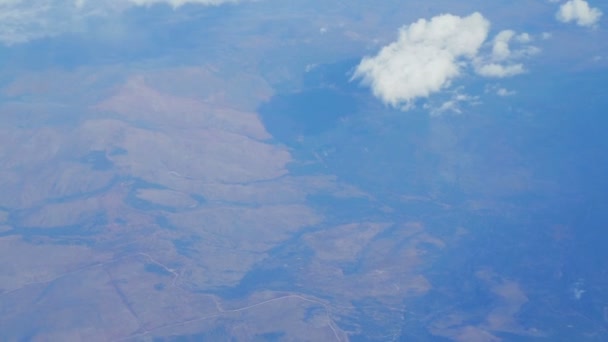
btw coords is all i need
(189, 171)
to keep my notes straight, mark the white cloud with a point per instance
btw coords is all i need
(500, 63)
(454, 104)
(428, 55)
(498, 90)
(424, 59)
(500, 70)
(25, 20)
(504, 92)
(501, 50)
(523, 38)
(580, 12)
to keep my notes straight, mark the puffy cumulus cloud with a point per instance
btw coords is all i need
(429, 54)
(25, 20)
(580, 12)
(425, 58)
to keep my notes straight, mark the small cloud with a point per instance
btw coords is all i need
(504, 92)
(498, 90)
(310, 67)
(500, 63)
(426, 57)
(454, 104)
(523, 38)
(580, 12)
(500, 70)
(501, 50)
